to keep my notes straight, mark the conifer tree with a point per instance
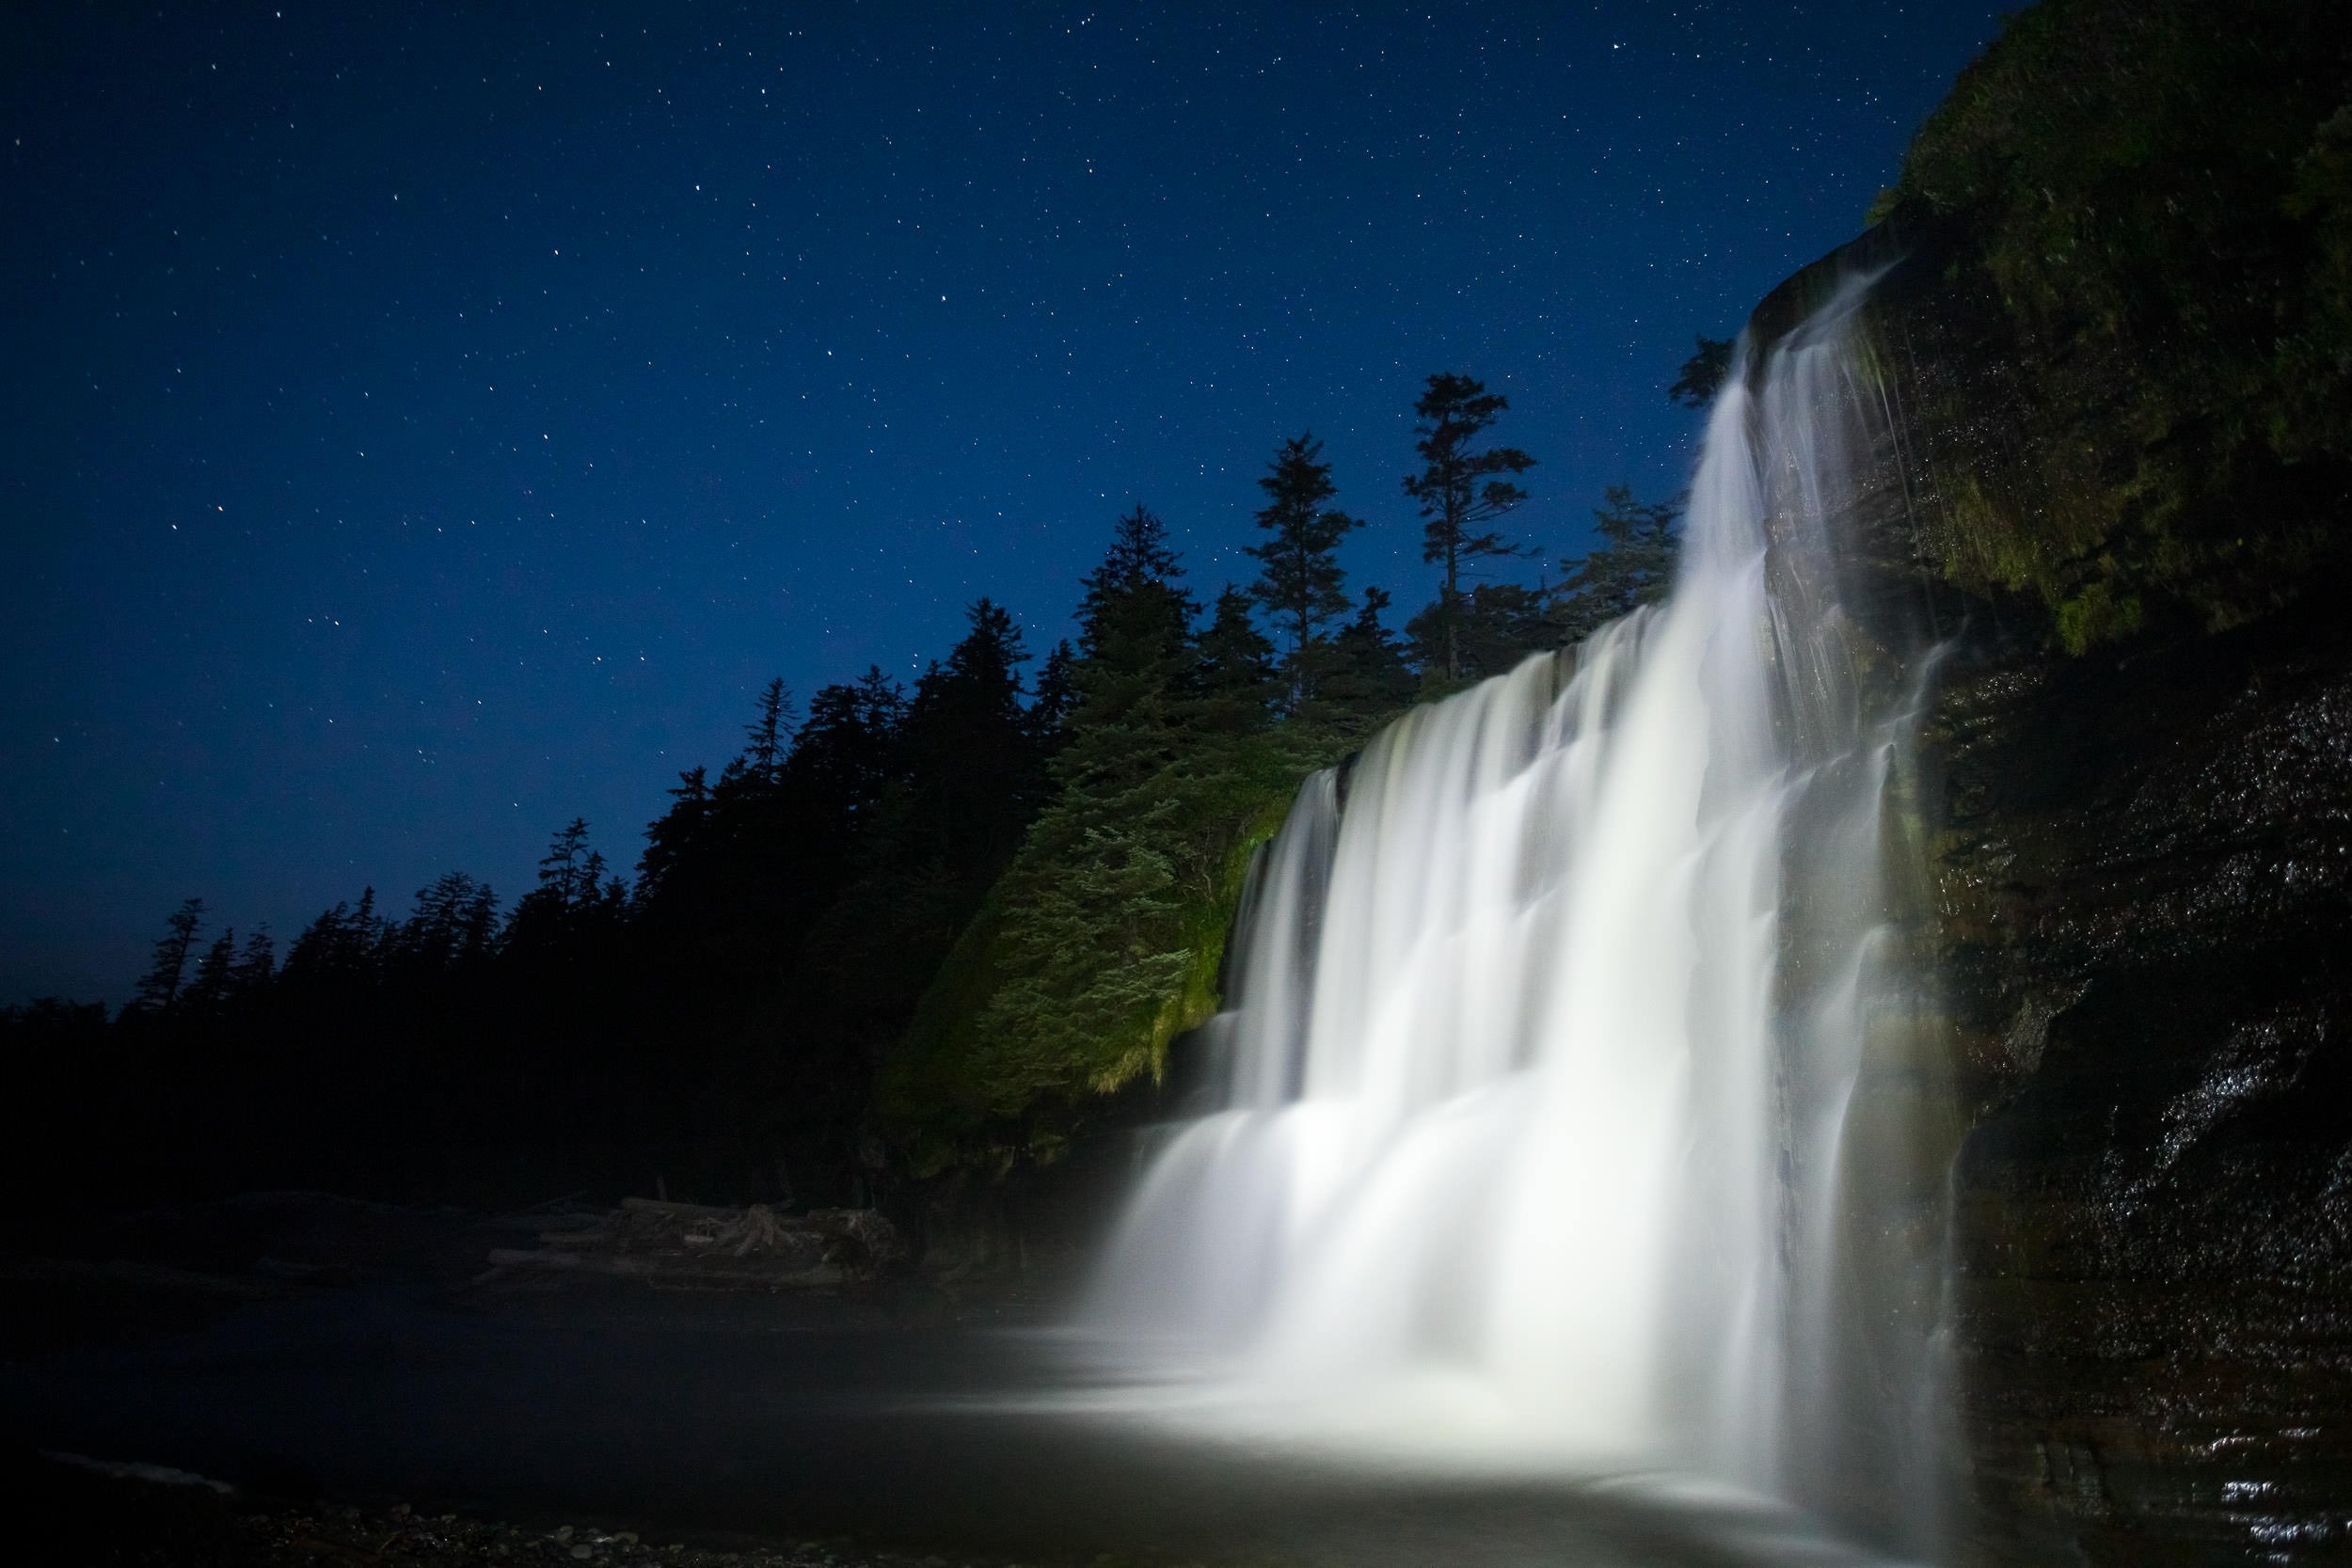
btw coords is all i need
(1462, 491)
(210, 988)
(1236, 670)
(847, 752)
(1496, 624)
(363, 935)
(1299, 583)
(1134, 609)
(971, 755)
(674, 835)
(164, 976)
(566, 876)
(1370, 678)
(447, 925)
(316, 946)
(256, 966)
(478, 925)
(768, 735)
(1703, 374)
(1056, 694)
(1633, 567)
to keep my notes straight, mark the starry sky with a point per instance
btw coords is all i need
(423, 425)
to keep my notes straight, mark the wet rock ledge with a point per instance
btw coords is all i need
(2136, 887)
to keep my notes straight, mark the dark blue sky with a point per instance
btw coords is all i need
(419, 426)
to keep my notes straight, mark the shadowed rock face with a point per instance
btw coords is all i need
(2136, 888)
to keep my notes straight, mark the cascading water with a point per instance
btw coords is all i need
(1547, 1019)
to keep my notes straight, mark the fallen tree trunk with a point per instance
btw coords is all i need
(754, 1247)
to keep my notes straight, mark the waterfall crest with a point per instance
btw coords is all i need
(1529, 1138)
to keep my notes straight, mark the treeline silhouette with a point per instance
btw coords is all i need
(717, 1025)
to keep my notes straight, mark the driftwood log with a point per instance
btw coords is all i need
(692, 1244)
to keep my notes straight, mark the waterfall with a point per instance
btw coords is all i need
(1547, 1018)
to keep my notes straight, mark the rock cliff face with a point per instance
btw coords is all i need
(2135, 888)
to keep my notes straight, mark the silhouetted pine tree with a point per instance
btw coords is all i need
(1633, 567)
(1703, 374)
(847, 755)
(674, 836)
(1299, 584)
(1056, 695)
(1135, 611)
(1497, 625)
(768, 736)
(256, 967)
(566, 870)
(970, 755)
(547, 915)
(1237, 683)
(935, 791)
(161, 987)
(314, 948)
(1371, 680)
(209, 989)
(453, 922)
(1461, 492)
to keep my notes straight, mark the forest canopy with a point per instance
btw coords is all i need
(902, 931)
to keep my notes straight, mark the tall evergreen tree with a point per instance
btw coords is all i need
(1137, 661)
(1236, 670)
(768, 736)
(1056, 694)
(847, 753)
(1496, 624)
(210, 988)
(1462, 491)
(315, 947)
(256, 966)
(544, 919)
(1300, 582)
(971, 755)
(568, 872)
(1370, 678)
(364, 936)
(165, 974)
(1135, 608)
(1703, 374)
(677, 834)
(1633, 566)
(1086, 958)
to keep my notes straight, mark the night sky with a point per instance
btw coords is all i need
(419, 426)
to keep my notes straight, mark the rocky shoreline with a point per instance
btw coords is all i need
(97, 1510)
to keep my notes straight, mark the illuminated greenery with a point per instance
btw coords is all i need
(2157, 196)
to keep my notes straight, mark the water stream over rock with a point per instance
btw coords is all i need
(1545, 1019)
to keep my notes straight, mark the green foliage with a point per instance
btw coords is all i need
(2158, 195)
(1703, 374)
(1236, 677)
(1099, 945)
(1492, 628)
(1371, 678)
(1634, 566)
(1103, 938)
(1299, 584)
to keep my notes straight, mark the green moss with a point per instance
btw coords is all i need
(2096, 613)
(2157, 202)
